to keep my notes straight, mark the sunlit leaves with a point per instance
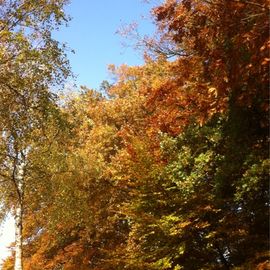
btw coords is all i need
(168, 167)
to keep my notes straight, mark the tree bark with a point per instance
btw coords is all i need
(18, 237)
(19, 179)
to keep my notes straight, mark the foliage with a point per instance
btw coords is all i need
(167, 168)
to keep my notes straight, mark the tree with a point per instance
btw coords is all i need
(169, 169)
(30, 63)
(214, 139)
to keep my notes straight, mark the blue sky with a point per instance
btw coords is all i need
(92, 34)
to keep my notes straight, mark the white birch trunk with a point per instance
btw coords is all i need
(18, 237)
(19, 216)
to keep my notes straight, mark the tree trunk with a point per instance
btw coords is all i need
(18, 237)
(19, 179)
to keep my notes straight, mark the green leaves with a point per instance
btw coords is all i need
(252, 177)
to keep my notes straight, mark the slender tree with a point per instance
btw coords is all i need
(30, 63)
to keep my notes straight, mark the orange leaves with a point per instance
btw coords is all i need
(182, 99)
(184, 224)
(266, 46)
(145, 169)
(265, 61)
(161, 12)
(227, 45)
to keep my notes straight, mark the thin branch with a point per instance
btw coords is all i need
(251, 3)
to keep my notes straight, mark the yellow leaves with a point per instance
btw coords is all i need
(211, 235)
(5, 35)
(184, 224)
(202, 225)
(164, 263)
(213, 91)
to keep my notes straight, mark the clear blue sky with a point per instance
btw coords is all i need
(92, 34)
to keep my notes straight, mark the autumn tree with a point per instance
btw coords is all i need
(169, 168)
(218, 92)
(31, 62)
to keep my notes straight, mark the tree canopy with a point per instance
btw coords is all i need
(167, 167)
